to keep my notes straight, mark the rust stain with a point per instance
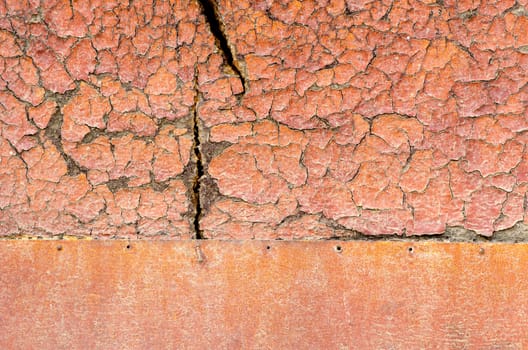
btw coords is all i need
(262, 294)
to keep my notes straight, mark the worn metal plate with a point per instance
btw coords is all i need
(258, 294)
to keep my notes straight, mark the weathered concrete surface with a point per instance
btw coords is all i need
(262, 119)
(384, 117)
(262, 294)
(97, 116)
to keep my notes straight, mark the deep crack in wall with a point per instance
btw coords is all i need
(210, 10)
(199, 170)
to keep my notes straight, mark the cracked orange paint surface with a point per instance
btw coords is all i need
(335, 117)
(381, 117)
(96, 108)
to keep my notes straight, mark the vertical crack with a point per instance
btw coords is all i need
(199, 168)
(210, 10)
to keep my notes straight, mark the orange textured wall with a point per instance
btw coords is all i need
(262, 119)
(262, 295)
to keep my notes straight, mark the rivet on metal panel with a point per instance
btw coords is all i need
(482, 251)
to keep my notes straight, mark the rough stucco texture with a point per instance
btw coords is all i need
(381, 117)
(96, 107)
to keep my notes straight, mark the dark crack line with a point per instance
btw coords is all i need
(210, 10)
(199, 173)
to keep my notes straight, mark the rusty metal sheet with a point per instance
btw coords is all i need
(261, 294)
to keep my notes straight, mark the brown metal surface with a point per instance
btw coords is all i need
(276, 295)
